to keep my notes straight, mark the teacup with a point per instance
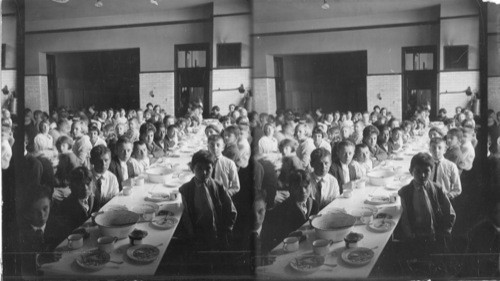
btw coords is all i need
(366, 217)
(148, 214)
(347, 193)
(322, 246)
(138, 181)
(291, 244)
(106, 243)
(75, 241)
(360, 184)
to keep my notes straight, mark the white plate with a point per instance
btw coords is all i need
(378, 200)
(393, 186)
(164, 222)
(88, 255)
(381, 225)
(307, 264)
(161, 197)
(172, 184)
(348, 256)
(145, 207)
(134, 253)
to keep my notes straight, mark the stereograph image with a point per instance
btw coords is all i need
(250, 139)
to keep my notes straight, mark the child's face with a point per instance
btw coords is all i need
(150, 137)
(44, 128)
(202, 171)
(147, 116)
(346, 132)
(421, 174)
(301, 133)
(162, 132)
(77, 131)
(358, 127)
(259, 209)
(229, 138)
(124, 151)
(437, 150)
(451, 140)
(171, 133)
(216, 147)
(384, 137)
(317, 138)
(346, 154)
(141, 152)
(269, 131)
(226, 124)
(93, 136)
(120, 129)
(433, 134)
(300, 190)
(101, 164)
(396, 135)
(322, 166)
(64, 147)
(372, 140)
(364, 154)
(39, 212)
(287, 151)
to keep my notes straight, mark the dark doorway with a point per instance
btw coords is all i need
(106, 79)
(419, 80)
(334, 81)
(192, 77)
(279, 81)
(52, 81)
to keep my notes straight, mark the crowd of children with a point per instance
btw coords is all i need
(261, 175)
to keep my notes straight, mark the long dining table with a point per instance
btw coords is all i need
(334, 265)
(177, 160)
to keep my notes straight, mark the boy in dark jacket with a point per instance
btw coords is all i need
(209, 214)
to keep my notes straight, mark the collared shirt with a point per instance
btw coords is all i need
(345, 171)
(448, 177)
(424, 220)
(329, 189)
(362, 168)
(42, 228)
(139, 165)
(124, 168)
(226, 173)
(268, 145)
(109, 186)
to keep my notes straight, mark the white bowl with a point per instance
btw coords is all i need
(381, 178)
(333, 226)
(158, 175)
(117, 223)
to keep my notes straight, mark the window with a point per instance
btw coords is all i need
(229, 55)
(456, 57)
(419, 61)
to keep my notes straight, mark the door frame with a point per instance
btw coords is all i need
(435, 94)
(207, 99)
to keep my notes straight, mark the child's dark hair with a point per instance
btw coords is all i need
(36, 193)
(437, 141)
(232, 130)
(344, 144)
(224, 119)
(298, 176)
(318, 154)
(421, 159)
(437, 130)
(98, 151)
(146, 127)
(370, 130)
(215, 107)
(287, 143)
(64, 139)
(79, 177)
(202, 157)
(317, 130)
(94, 128)
(215, 138)
(357, 149)
(456, 132)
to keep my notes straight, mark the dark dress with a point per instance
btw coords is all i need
(71, 214)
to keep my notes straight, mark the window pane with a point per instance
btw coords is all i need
(181, 59)
(409, 61)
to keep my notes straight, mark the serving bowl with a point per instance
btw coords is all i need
(381, 178)
(118, 223)
(159, 175)
(333, 226)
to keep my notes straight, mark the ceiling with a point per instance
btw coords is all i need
(48, 10)
(292, 10)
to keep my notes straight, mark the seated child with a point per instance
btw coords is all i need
(147, 133)
(120, 165)
(39, 231)
(171, 138)
(453, 141)
(294, 211)
(362, 161)
(435, 132)
(209, 213)
(290, 161)
(357, 135)
(318, 136)
(67, 161)
(428, 217)
(225, 170)
(211, 130)
(342, 168)
(104, 183)
(77, 207)
(445, 172)
(396, 141)
(133, 130)
(267, 143)
(324, 187)
(140, 159)
(95, 138)
(215, 112)
(231, 135)
(383, 138)
(370, 135)
(407, 130)
(306, 145)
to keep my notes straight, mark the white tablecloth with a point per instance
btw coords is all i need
(376, 241)
(160, 238)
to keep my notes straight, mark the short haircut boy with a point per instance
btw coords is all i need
(215, 138)
(232, 130)
(318, 154)
(344, 144)
(98, 151)
(421, 159)
(456, 132)
(369, 130)
(202, 157)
